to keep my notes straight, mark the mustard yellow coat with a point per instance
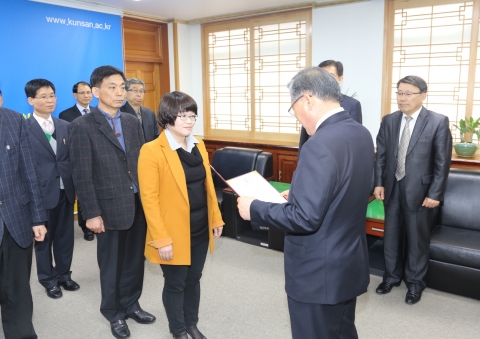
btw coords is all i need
(163, 191)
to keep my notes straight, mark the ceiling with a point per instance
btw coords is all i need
(195, 10)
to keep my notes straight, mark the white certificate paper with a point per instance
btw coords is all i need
(254, 185)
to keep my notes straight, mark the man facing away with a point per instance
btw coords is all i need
(414, 151)
(104, 156)
(326, 260)
(82, 93)
(51, 140)
(135, 94)
(349, 104)
(21, 211)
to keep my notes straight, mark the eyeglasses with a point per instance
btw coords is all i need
(136, 91)
(83, 93)
(45, 97)
(185, 117)
(290, 111)
(406, 94)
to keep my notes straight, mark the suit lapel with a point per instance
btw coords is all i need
(397, 122)
(127, 131)
(61, 134)
(175, 165)
(38, 132)
(419, 126)
(105, 127)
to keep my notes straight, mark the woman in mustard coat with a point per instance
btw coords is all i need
(181, 209)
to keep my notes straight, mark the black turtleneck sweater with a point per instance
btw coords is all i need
(197, 196)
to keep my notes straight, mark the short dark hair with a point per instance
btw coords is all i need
(173, 103)
(337, 64)
(75, 87)
(34, 85)
(103, 72)
(415, 81)
(0, 92)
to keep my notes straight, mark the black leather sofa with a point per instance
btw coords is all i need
(231, 162)
(455, 241)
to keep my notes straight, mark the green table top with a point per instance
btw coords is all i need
(375, 208)
(280, 186)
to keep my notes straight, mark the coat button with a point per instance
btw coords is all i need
(131, 188)
(128, 172)
(1, 203)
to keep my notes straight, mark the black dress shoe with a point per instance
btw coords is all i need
(70, 285)
(181, 336)
(386, 287)
(54, 292)
(142, 317)
(413, 297)
(195, 333)
(120, 329)
(88, 236)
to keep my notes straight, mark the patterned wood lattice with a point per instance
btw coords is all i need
(249, 66)
(435, 42)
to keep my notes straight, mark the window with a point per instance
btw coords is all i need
(437, 40)
(247, 65)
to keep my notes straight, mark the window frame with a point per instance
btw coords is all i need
(250, 22)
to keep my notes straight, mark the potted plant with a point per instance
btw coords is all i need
(468, 127)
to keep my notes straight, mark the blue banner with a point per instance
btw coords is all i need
(56, 43)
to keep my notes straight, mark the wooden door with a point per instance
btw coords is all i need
(146, 57)
(287, 164)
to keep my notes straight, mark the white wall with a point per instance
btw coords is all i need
(190, 67)
(351, 33)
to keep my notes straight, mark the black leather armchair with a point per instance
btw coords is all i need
(455, 241)
(231, 162)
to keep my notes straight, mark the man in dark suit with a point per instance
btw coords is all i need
(104, 155)
(21, 211)
(326, 260)
(50, 139)
(349, 104)
(83, 94)
(135, 93)
(414, 151)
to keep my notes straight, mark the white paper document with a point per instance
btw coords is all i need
(254, 185)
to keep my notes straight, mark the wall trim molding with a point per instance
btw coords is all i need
(96, 7)
(86, 5)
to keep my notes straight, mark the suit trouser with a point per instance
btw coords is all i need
(406, 240)
(15, 294)
(181, 290)
(121, 261)
(60, 237)
(319, 321)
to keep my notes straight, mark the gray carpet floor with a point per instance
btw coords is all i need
(243, 297)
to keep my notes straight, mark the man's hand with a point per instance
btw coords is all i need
(379, 193)
(430, 203)
(217, 232)
(285, 194)
(166, 253)
(96, 225)
(39, 232)
(243, 204)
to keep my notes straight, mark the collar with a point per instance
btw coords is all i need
(174, 145)
(81, 108)
(328, 115)
(41, 120)
(108, 116)
(414, 115)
